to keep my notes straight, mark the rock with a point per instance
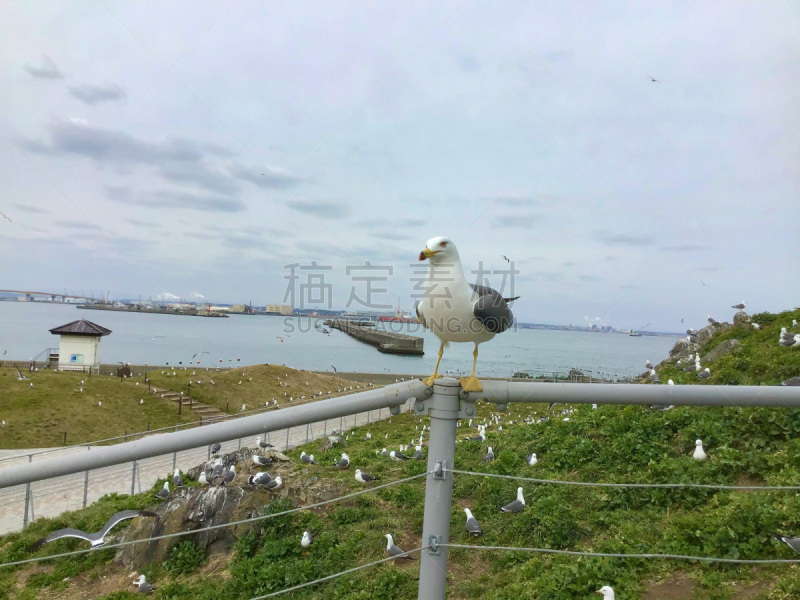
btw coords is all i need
(723, 348)
(681, 349)
(325, 444)
(708, 331)
(741, 318)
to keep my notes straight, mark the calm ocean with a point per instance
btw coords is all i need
(24, 333)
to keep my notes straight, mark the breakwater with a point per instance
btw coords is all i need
(384, 341)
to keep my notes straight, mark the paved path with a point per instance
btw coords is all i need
(72, 492)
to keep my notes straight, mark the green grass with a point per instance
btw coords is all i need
(611, 444)
(38, 416)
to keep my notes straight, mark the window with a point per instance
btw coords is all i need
(76, 358)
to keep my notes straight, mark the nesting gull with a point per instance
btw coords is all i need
(699, 454)
(364, 477)
(395, 551)
(305, 541)
(307, 458)
(517, 505)
(473, 527)
(260, 478)
(144, 587)
(343, 462)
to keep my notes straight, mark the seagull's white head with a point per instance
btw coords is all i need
(389, 539)
(440, 250)
(344, 455)
(608, 593)
(520, 497)
(468, 512)
(166, 485)
(358, 471)
(699, 443)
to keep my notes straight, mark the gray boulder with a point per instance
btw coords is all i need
(741, 318)
(682, 349)
(708, 331)
(723, 348)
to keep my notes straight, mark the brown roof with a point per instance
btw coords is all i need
(81, 327)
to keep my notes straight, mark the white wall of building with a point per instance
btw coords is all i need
(78, 352)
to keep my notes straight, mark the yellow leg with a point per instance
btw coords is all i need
(471, 383)
(429, 380)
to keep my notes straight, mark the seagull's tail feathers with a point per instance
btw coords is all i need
(507, 300)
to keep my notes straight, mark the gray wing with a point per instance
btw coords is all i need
(491, 309)
(398, 552)
(514, 507)
(368, 477)
(474, 527)
(61, 533)
(122, 516)
(420, 316)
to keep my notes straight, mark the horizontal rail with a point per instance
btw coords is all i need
(388, 397)
(503, 392)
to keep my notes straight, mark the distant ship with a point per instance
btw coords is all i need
(399, 317)
(635, 334)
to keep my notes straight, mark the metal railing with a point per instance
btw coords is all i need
(445, 403)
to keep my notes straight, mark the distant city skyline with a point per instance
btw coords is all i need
(197, 148)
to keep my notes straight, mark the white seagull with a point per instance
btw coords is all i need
(473, 527)
(144, 587)
(98, 538)
(517, 505)
(305, 541)
(608, 593)
(364, 477)
(457, 311)
(395, 551)
(699, 454)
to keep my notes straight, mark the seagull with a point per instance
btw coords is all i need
(699, 454)
(261, 460)
(417, 453)
(711, 320)
(395, 551)
(489, 456)
(608, 593)
(202, 480)
(481, 437)
(399, 456)
(307, 458)
(792, 381)
(144, 587)
(305, 542)
(531, 459)
(473, 527)
(652, 80)
(790, 343)
(260, 478)
(163, 493)
(5, 217)
(200, 353)
(343, 462)
(792, 542)
(384, 452)
(21, 377)
(216, 447)
(517, 505)
(740, 306)
(364, 477)
(690, 331)
(648, 365)
(705, 373)
(230, 475)
(756, 326)
(96, 539)
(218, 469)
(505, 258)
(456, 311)
(275, 484)
(177, 480)
(654, 376)
(262, 443)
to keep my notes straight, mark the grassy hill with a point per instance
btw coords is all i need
(745, 446)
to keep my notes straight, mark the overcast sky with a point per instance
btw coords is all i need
(198, 148)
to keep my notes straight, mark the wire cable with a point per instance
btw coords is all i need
(737, 561)
(212, 527)
(329, 577)
(633, 485)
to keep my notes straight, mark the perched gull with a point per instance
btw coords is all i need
(481, 437)
(740, 306)
(417, 453)
(456, 311)
(261, 460)
(792, 381)
(517, 505)
(262, 443)
(395, 551)
(608, 593)
(792, 542)
(307, 458)
(384, 452)
(654, 376)
(98, 538)
(260, 478)
(711, 320)
(163, 493)
(217, 470)
(648, 365)
(756, 326)
(275, 484)
(364, 477)
(144, 587)
(216, 447)
(790, 343)
(177, 480)
(699, 454)
(531, 459)
(343, 462)
(690, 332)
(305, 541)
(397, 455)
(230, 475)
(473, 527)
(489, 456)
(705, 373)
(202, 480)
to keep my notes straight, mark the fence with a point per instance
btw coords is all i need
(446, 403)
(50, 497)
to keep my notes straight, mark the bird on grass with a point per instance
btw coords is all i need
(699, 454)
(177, 480)
(21, 377)
(308, 458)
(792, 381)
(305, 541)
(343, 462)
(608, 593)
(365, 477)
(399, 456)
(96, 539)
(394, 551)
(705, 373)
(792, 542)
(456, 311)
(144, 587)
(531, 459)
(517, 506)
(489, 456)
(473, 527)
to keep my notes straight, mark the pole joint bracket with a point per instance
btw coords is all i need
(433, 543)
(439, 470)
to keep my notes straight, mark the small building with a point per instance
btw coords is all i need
(79, 346)
(278, 309)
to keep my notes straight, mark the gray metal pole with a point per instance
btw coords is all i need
(187, 439)
(133, 479)
(439, 488)
(503, 392)
(27, 504)
(85, 487)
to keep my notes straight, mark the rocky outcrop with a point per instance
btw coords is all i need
(682, 349)
(332, 441)
(741, 318)
(723, 348)
(707, 332)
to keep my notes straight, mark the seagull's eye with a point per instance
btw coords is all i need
(443, 244)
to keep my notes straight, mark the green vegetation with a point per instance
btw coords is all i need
(750, 446)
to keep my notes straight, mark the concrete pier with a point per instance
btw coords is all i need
(384, 341)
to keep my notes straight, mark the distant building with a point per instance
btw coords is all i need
(239, 308)
(280, 309)
(79, 346)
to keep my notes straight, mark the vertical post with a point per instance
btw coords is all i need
(307, 428)
(287, 439)
(180, 402)
(65, 438)
(444, 407)
(27, 504)
(85, 487)
(133, 479)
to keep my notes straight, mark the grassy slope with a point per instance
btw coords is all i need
(38, 417)
(608, 444)
(228, 394)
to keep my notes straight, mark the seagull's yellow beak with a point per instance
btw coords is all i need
(426, 254)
